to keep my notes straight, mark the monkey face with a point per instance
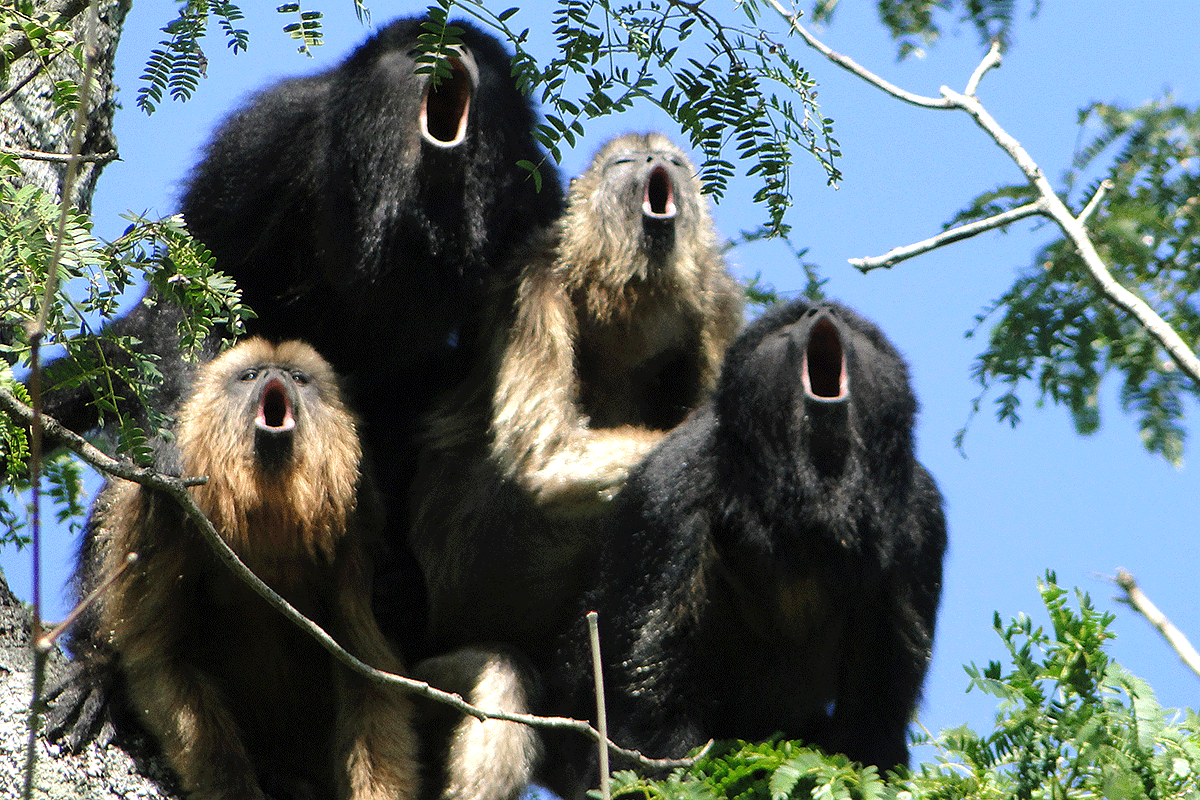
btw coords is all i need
(645, 192)
(274, 391)
(265, 398)
(839, 391)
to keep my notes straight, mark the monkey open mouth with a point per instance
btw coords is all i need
(274, 425)
(445, 107)
(658, 214)
(659, 199)
(823, 371)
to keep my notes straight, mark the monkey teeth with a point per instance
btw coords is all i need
(275, 409)
(446, 107)
(659, 199)
(823, 372)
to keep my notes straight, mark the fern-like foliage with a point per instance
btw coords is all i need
(1071, 723)
(93, 277)
(736, 93)
(1053, 327)
(307, 27)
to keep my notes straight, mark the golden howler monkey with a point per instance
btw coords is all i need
(611, 333)
(242, 702)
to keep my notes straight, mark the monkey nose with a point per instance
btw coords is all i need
(275, 409)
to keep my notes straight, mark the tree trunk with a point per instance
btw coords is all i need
(27, 119)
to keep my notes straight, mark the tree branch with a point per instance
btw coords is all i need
(1051, 205)
(60, 158)
(1136, 598)
(849, 64)
(177, 488)
(897, 254)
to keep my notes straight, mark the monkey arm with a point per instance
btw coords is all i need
(482, 759)
(590, 468)
(186, 712)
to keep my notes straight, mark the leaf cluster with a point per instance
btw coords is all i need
(1071, 723)
(916, 24)
(45, 37)
(734, 91)
(93, 278)
(1056, 330)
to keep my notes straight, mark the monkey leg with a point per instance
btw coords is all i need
(482, 759)
(376, 740)
(187, 713)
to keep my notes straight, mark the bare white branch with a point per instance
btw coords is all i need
(847, 63)
(990, 61)
(1142, 604)
(897, 254)
(1051, 205)
(1101, 190)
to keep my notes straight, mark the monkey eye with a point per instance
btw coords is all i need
(300, 377)
(248, 375)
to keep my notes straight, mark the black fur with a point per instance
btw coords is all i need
(775, 565)
(343, 225)
(347, 228)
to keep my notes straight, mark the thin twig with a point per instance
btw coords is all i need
(847, 63)
(176, 488)
(990, 61)
(60, 158)
(601, 715)
(1142, 604)
(36, 334)
(1103, 189)
(956, 234)
(45, 643)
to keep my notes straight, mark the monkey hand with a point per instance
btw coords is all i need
(589, 471)
(81, 705)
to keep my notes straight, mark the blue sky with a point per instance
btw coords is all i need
(1022, 501)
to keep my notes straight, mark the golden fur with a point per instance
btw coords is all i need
(239, 698)
(614, 331)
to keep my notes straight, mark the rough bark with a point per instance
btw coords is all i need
(28, 120)
(99, 772)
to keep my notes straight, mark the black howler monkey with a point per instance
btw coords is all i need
(775, 564)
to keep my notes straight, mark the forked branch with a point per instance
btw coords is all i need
(1048, 203)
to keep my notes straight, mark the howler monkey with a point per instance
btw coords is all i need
(241, 701)
(775, 564)
(361, 209)
(614, 331)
